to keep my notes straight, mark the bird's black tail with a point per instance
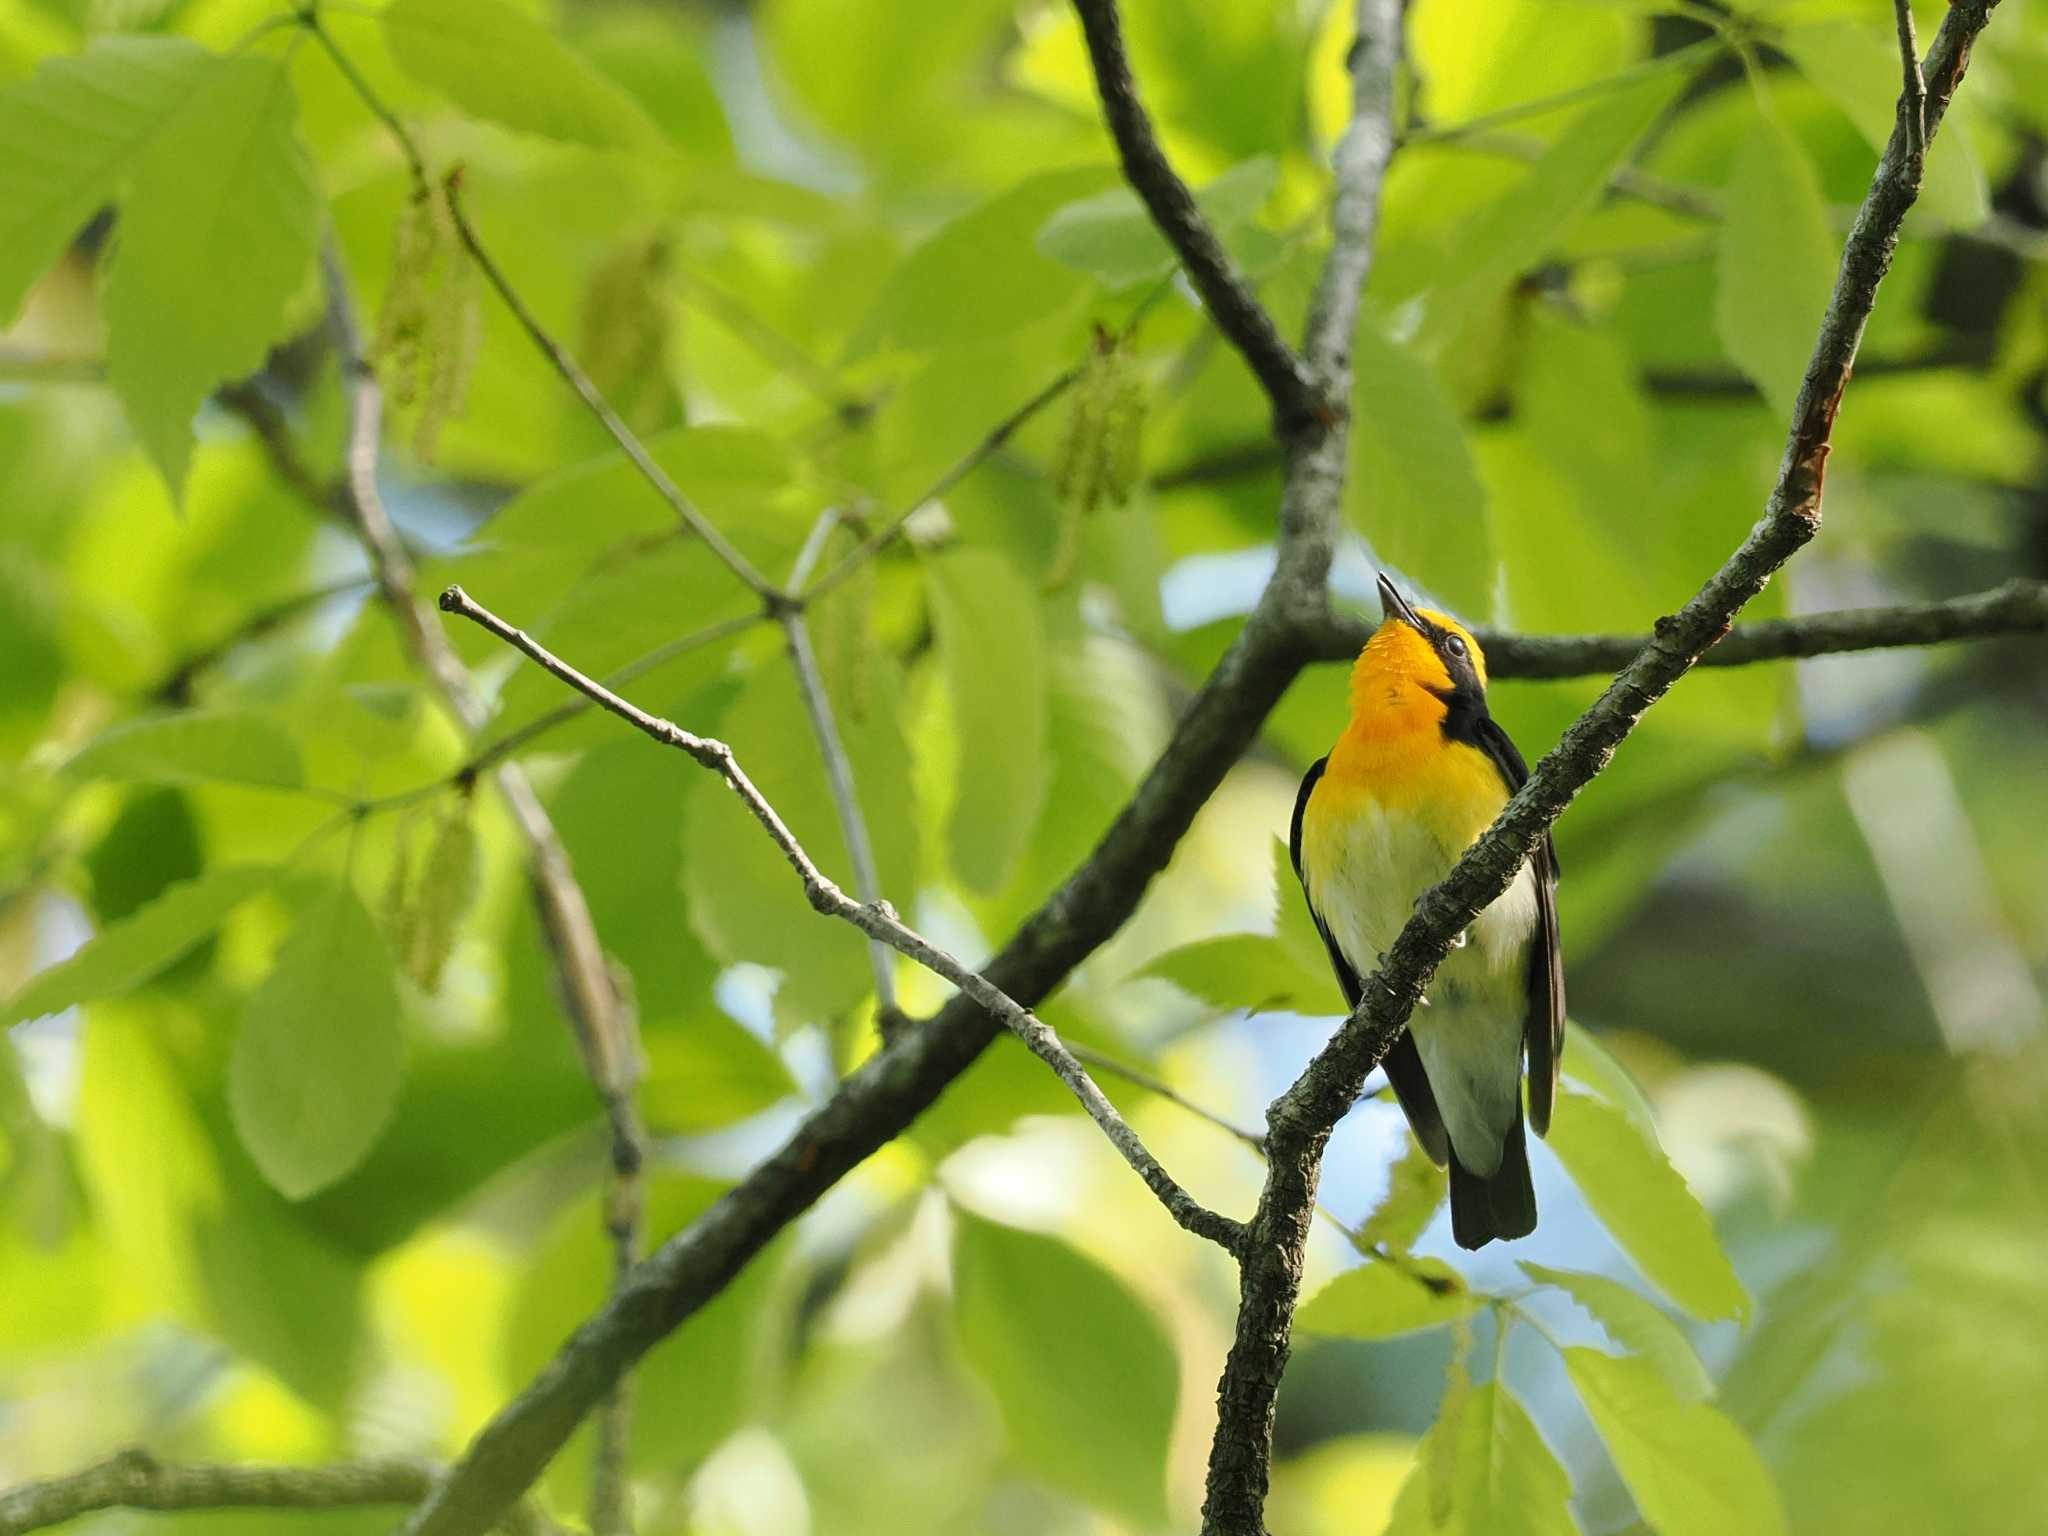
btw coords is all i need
(1503, 1206)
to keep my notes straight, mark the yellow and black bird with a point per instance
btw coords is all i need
(1420, 772)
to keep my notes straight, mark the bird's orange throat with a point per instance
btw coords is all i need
(1397, 712)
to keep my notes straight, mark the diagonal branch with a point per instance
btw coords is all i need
(1299, 403)
(875, 918)
(1300, 1120)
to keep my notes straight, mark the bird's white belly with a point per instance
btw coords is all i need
(1364, 882)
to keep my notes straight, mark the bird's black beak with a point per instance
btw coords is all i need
(1395, 606)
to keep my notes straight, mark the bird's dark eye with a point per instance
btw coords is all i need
(1455, 644)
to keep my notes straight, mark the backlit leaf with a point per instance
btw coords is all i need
(222, 188)
(1498, 1478)
(1379, 1300)
(706, 1072)
(1083, 1373)
(1111, 236)
(1634, 1323)
(1413, 491)
(1415, 1188)
(1777, 262)
(1692, 1471)
(316, 1063)
(495, 62)
(125, 954)
(1645, 1206)
(69, 134)
(231, 746)
(992, 645)
(1857, 68)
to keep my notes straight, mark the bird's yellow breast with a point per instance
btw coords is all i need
(1386, 821)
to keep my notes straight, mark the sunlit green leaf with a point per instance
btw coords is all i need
(70, 133)
(706, 1072)
(1634, 1323)
(1243, 970)
(980, 275)
(1113, 238)
(223, 187)
(1083, 1373)
(1498, 1478)
(1857, 68)
(496, 62)
(1413, 491)
(1645, 1205)
(233, 746)
(1415, 1188)
(126, 953)
(1591, 1065)
(1519, 230)
(1381, 1300)
(1777, 262)
(992, 644)
(316, 1066)
(1693, 1473)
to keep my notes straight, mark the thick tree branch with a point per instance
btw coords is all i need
(1299, 404)
(133, 1479)
(1300, 1120)
(1269, 1263)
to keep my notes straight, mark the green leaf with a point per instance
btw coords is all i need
(1776, 265)
(223, 188)
(1635, 1324)
(1083, 1373)
(1413, 490)
(992, 644)
(706, 1072)
(1857, 68)
(1112, 238)
(1244, 970)
(1521, 229)
(1645, 1206)
(448, 884)
(1378, 1300)
(125, 954)
(1495, 1476)
(67, 136)
(316, 1065)
(195, 746)
(1415, 1188)
(981, 276)
(1692, 1472)
(498, 63)
(1588, 1063)
(744, 901)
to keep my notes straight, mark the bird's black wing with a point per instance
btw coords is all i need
(1402, 1063)
(1543, 1033)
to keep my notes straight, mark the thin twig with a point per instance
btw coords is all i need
(605, 1030)
(564, 364)
(2017, 607)
(853, 822)
(134, 1479)
(1160, 1088)
(876, 919)
(1913, 94)
(1298, 403)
